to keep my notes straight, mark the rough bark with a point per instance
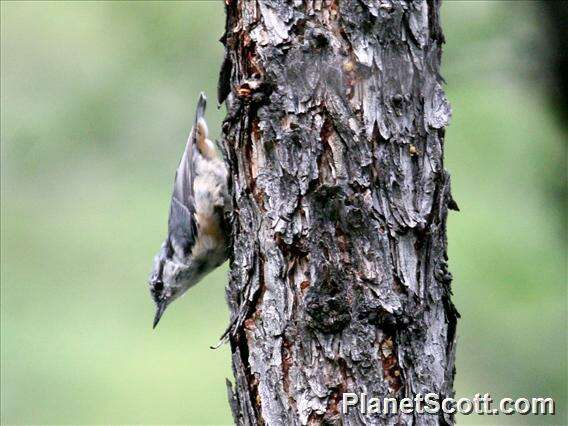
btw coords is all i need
(334, 137)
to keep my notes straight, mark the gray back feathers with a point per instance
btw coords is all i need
(182, 226)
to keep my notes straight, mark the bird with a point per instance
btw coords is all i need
(197, 240)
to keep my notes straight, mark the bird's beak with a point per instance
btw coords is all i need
(160, 308)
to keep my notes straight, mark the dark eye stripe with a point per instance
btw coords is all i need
(158, 286)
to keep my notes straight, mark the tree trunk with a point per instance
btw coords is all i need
(334, 137)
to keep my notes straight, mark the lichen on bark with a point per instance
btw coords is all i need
(339, 279)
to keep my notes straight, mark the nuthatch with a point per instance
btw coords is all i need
(197, 241)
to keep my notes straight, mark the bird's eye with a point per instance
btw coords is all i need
(158, 286)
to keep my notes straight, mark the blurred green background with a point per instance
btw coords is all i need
(96, 103)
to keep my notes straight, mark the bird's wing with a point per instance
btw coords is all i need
(182, 226)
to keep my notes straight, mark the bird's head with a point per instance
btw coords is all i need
(170, 278)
